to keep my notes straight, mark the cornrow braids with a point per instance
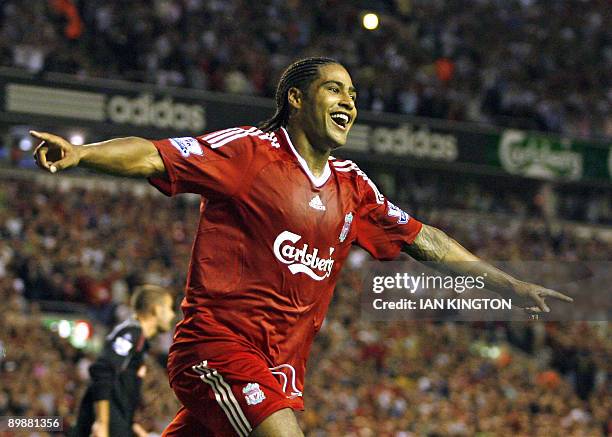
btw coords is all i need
(300, 75)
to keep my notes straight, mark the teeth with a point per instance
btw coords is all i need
(340, 118)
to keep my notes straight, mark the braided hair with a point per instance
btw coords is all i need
(300, 75)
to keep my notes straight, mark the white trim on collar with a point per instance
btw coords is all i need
(316, 181)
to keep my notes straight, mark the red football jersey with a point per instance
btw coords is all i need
(271, 241)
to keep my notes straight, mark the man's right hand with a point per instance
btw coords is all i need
(54, 153)
(99, 429)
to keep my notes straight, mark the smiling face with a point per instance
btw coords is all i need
(326, 111)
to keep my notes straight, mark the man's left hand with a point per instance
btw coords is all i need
(530, 294)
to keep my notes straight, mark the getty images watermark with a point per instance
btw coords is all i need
(411, 284)
(409, 290)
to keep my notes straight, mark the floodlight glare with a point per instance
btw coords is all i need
(25, 144)
(370, 21)
(77, 139)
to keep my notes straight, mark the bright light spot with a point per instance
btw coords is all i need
(81, 333)
(370, 21)
(63, 328)
(82, 330)
(77, 139)
(494, 352)
(25, 144)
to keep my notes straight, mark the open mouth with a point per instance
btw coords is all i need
(341, 119)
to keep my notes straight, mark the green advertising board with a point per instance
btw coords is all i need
(553, 158)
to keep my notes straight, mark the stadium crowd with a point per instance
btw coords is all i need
(487, 194)
(537, 64)
(92, 245)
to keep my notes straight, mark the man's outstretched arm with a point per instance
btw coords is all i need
(132, 156)
(432, 244)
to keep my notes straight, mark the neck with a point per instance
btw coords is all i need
(315, 158)
(148, 324)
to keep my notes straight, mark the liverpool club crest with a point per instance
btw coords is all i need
(253, 394)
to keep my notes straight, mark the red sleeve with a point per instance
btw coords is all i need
(205, 165)
(382, 227)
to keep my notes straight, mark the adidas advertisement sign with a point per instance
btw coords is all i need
(145, 110)
(405, 140)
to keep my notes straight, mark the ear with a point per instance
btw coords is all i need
(295, 98)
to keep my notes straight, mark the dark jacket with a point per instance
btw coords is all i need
(114, 378)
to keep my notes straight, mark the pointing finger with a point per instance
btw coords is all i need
(557, 295)
(48, 137)
(39, 135)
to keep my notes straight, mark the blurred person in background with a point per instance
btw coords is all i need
(109, 404)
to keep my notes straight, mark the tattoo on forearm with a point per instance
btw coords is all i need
(430, 245)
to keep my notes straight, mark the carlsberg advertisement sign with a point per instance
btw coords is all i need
(538, 156)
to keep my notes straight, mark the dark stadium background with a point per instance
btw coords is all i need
(490, 119)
